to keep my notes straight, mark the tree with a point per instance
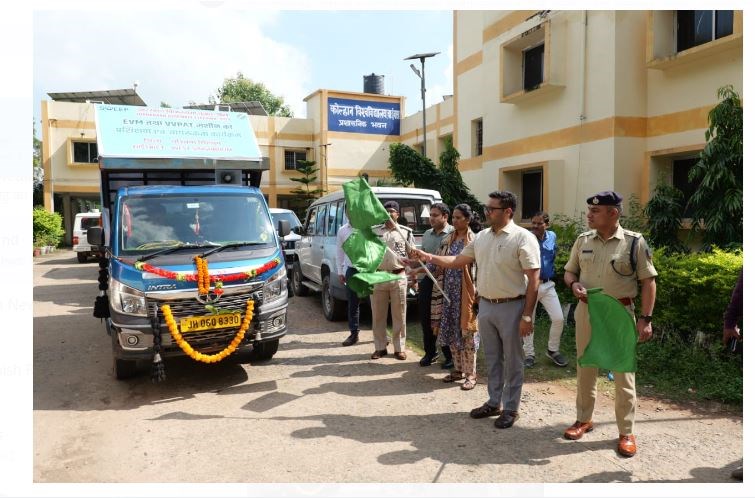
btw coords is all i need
(242, 89)
(304, 194)
(716, 205)
(165, 104)
(409, 167)
(664, 217)
(38, 175)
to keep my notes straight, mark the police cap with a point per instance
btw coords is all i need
(391, 205)
(606, 198)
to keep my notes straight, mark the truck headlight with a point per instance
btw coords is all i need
(126, 299)
(275, 286)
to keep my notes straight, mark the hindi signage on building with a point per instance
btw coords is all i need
(363, 116)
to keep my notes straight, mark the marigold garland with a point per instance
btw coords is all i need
(205, 358)
(194, 277)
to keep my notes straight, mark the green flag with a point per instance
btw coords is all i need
(613, 343)
(363, 247)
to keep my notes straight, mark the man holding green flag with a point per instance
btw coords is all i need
(613, 259)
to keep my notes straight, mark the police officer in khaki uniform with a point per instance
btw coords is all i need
(615, 259)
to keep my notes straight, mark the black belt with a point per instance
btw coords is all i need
(502, 299)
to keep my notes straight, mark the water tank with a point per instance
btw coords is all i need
(373, 83)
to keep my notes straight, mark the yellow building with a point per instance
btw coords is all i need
(556, 105)
(552, 105)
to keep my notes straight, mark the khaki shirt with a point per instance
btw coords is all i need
(501, 259)
(394, 241)
(591, 259)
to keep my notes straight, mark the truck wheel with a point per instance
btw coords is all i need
(82, 257)
(297, 279)
(333, 309)
(263, 351)
(124, 369)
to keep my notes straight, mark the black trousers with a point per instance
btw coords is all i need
(424, 299)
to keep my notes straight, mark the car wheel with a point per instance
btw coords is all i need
(82, 257)
(297, 281)
(333, 309)
(263, 351)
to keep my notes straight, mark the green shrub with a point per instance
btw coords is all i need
(48, 227)
(693, 291)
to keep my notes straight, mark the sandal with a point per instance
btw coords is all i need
(468, 384)
(453, 377)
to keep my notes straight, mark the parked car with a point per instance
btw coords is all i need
(81, 223)
(289, 241)
(314, 266)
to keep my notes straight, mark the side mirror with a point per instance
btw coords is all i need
(96, 237)
(284, 228)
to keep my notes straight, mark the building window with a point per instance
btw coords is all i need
(477, 137)
(532, 193)
(84, 152)
(292, 157)
(695, 27)
(533, 60)
(680, 179)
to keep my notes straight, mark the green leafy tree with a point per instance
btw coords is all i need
(664, 217)
(38, 175)
(409, 167)
(308, 191)
(716, 205)
(242, 89)
(165, 104)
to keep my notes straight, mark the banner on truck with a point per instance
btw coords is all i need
(150, 132)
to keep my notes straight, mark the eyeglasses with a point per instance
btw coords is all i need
(490, 208)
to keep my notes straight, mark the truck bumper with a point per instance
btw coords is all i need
(133, 339)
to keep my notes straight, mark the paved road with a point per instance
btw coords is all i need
(319, 412)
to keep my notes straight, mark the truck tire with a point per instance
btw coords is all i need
(124, 369)
(82, 257)
(263, 351)
(297, 280)
(333, 309)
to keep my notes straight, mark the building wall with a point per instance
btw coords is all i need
(609, 114)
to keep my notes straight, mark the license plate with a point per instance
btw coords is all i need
(210, 322)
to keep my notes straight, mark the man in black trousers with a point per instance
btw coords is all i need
(431, 239)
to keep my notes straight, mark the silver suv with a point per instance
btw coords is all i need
(314, 266)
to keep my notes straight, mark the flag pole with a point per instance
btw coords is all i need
(428, 272)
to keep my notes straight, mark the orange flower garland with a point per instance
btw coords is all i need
(194, 277)
(203, 275)
(205, 358)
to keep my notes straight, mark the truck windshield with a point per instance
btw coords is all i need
(148, 223)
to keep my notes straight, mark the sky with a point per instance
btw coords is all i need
(180, 56)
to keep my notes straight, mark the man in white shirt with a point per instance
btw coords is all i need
(345, 271)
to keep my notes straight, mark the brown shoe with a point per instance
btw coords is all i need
(627, 445)
(399, 355)
(379, 354)
(485, 411)
(577, 430)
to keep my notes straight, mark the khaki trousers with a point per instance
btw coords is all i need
(393, 292)
(626, 396)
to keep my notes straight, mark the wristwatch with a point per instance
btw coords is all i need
(527, 318)
(646, 318)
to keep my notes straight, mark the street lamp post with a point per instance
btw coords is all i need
(421, 75)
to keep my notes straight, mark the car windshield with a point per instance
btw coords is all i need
(148, 223)
(413, 213)
(293, 221)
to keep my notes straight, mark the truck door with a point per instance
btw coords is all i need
(318, 244)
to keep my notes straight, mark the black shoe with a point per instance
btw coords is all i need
(506, 419)
(529, 361)
(737, 474)
(485, 411)
(447, 365)
(426, 360)
(557, 358)
(351, 340)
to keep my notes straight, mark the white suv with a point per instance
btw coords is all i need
(82, 222)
